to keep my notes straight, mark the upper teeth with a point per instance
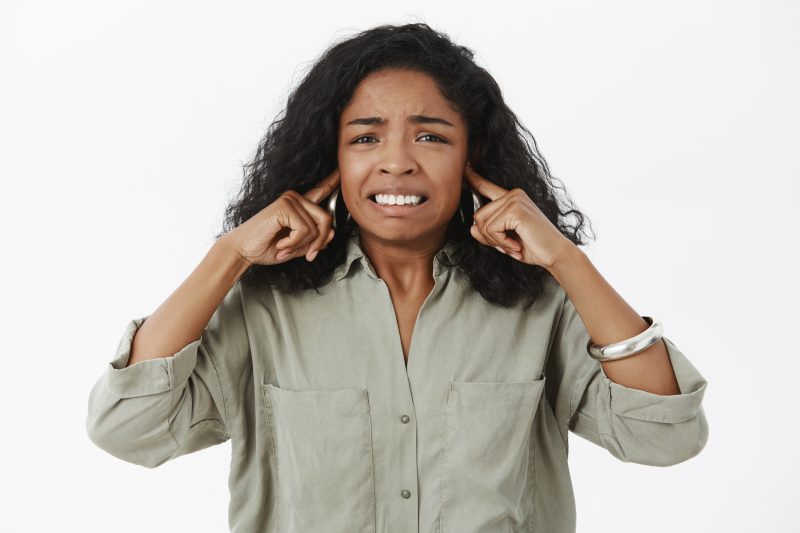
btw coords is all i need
(391, 199)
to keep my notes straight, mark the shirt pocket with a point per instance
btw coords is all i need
(323, 456)
(487, 477)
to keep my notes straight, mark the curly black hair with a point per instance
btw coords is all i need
(300, 148)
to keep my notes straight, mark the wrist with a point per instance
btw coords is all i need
(570, 257)
(229, 247)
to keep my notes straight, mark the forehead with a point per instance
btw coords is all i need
(398, 93)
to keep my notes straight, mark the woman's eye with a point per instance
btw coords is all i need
(362, 137)
(434, 136)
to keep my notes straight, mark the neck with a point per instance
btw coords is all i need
(405, 265)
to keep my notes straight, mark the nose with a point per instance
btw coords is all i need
(397, 161)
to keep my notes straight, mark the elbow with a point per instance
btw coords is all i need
(103, 437)
(690, 442)
(132, 430)
(665, 444)
(149, 449)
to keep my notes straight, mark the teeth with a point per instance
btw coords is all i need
(391, 199)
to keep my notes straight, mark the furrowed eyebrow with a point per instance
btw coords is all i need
(413, 119)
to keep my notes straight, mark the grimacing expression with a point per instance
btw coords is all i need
(399, 135)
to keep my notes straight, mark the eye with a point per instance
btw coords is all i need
(362, 137)
(435, 137)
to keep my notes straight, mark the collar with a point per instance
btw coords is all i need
(355, 253)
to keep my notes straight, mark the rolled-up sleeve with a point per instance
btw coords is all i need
(159, 409)
(633, 425)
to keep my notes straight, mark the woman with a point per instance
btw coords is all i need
(429, 380)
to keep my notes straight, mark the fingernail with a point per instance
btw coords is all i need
(312, 255)
(500, 250)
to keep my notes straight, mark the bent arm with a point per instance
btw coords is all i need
(634, 425)
(172, 401)
(182, 316)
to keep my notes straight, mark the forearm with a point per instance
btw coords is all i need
(181, 318)
(608, 318)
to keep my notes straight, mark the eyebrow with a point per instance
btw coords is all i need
(413, 119)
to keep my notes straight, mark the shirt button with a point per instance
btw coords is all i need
(404, 419)
(405, 493)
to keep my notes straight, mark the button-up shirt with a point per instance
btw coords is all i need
(332, 432)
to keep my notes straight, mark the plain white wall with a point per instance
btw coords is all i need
(672, 124)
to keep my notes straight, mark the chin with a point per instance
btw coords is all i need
(387, 233)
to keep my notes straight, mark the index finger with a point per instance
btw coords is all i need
(324, 188)
(485, 187)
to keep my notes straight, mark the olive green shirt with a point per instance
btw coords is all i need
(331, 431)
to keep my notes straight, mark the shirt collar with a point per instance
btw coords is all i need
(355, 253)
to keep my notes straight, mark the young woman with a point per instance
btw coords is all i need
(396, 328)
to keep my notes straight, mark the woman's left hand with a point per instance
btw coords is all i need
(533, 239)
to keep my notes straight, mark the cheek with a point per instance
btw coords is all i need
(450, 178)
(350, 171)
(352, 184)
(353, 165)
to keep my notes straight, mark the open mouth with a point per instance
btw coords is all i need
(415, 201)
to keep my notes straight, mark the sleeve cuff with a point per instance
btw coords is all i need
(651, 407)
(152, 376)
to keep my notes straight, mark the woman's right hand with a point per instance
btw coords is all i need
(291, 226)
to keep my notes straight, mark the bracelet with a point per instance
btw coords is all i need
(628, 347)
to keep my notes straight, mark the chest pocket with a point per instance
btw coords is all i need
(487, 478)
(323, 449)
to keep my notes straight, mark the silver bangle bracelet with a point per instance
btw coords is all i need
(628, 347)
